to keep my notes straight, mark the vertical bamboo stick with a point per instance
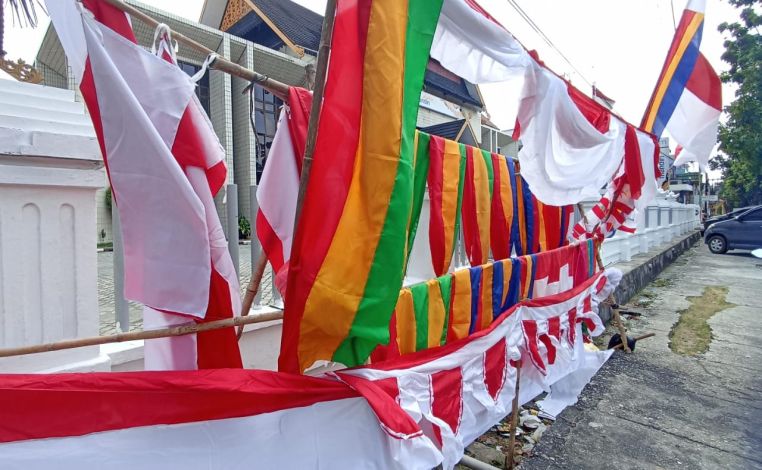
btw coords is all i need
(514, 419)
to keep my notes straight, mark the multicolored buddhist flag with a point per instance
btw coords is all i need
(350, 247)
(687, 99)
(503, 223)
(477, 205)
(447, 169)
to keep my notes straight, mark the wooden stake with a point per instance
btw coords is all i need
(317, 100)
(616, 319)
(251, 290)
(137, 335)
(637, 338)
(273, 86)
(514, 419)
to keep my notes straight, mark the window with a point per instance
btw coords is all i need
(264, 115)
(202, 86)
(753, 216)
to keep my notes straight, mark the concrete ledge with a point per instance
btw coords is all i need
(643, 268)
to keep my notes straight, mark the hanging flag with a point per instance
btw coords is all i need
(279, 185)
(446, 181)
(165, 164)
(476, 207)
(421, 169)
(503, 221)
(687, 99)
(349, 249)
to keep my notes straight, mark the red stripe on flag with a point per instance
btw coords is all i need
(271, 243)
(436, 221)
(149, 398)
(331, 172)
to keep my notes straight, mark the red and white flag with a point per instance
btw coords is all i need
(165, 164)
(279, 185)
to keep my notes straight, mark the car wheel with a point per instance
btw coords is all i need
(717, 245)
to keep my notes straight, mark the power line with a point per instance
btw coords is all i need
(539, 31)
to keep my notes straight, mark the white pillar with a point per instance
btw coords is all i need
(50, 169)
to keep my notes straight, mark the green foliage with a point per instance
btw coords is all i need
(741, 137)
(244, 227)
(107, 198)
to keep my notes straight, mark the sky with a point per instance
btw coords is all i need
(618, 45)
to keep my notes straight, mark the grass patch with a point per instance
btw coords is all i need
(691, 335)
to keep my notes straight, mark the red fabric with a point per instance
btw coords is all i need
(633, 167)
(270, 241)
(447, 397)
(549, 347)
(381, 396)
(390, 351)
(112, 17)
(469, 217)
(189, 145)
(554, 327)
(705, 84)
(134, 399)
(495, 368)
(595, 113)
(217, 349)
(436, 222)
(299, 103)
(331, 173)
(572, 332)
(530, 339)
(500, 226)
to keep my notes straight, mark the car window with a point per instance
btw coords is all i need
(753, 216)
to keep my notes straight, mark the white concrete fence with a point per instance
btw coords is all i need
(50, 169)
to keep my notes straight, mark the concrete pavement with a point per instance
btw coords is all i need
(106, 289)
(657, 409)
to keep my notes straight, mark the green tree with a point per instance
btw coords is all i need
(741, 136)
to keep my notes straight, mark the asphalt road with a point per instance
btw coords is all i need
(656, 409)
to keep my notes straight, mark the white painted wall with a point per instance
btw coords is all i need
(50, 169)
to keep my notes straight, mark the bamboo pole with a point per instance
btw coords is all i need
(514, 419)
(317, 100)
(138, 335)
(616, 318)
(273, 86)
(251, 290)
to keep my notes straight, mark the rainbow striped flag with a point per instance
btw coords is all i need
(350, 247)
(447, 169)
(477, 205)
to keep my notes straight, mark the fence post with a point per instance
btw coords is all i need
(231, 207)
(121, 307)
(255, 246)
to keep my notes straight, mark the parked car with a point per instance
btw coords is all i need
(719, 218)
(742, 232)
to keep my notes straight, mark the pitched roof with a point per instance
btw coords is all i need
(450, 130)
(302, 26)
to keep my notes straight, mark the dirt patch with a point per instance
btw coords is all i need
(691, 335)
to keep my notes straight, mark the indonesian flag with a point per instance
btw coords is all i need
(687, 99)
(279, 185)
(165, 164)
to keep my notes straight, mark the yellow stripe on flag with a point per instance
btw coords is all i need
(352, 250)
(690, 32)
(436, 312)
(406, 330)
(461, 303)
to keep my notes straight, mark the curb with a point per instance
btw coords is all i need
(644, 269)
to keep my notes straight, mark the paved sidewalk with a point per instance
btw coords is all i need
(657, 409)
(106, 289)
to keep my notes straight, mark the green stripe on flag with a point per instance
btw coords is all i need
(445, 286)
(371, 323)
(487, 156)
(421, 307)
(421, 170)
